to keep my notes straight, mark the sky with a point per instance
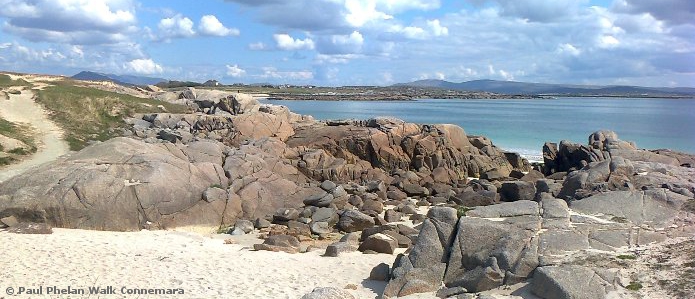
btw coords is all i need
(356, 42)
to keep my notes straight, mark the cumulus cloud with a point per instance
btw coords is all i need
(70, 21)
(52, 57)
(341, 44)
(362, 12)
(426, 30)
(180, 26)
(210, 25)
(437, 29)
(332, 15)
(144, 67)
(287, 43)
(235, 71)
(176, 27)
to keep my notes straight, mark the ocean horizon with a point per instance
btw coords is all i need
(523, 126)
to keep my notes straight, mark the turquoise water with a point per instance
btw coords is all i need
(524, 125)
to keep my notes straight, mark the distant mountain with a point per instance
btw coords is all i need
(118, 79)
(511, 87)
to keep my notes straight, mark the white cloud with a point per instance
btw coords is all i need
(176, 27)
(608, 41)
(76, 22)
(420, 31)
(336, 58)
(273, 73)
(210, 25)
(355, 38)
(286, 42)
(361, 12)
(341, 44)
(437, 29)
(143, 66)
(235, 71)
(569, 49)
(414, 32)
(259, 46)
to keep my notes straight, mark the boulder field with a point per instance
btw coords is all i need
(484, 218)
(236, 159)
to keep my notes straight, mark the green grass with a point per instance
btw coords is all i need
(7, 160)
(224, 229)
(6, 81)
(91, 114)
(634, 286)
(462, 210)
(626, 257)
(19, 132)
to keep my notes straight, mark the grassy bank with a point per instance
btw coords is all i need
(6, 81)
(91, 114)
(19, 132)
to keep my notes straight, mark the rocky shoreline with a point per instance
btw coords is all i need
(470, 217)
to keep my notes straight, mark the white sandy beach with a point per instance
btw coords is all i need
(203, 266)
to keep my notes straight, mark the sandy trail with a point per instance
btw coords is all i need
(22, 108)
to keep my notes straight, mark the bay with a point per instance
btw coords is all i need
(524, 125)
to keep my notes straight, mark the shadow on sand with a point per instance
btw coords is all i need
(374, 285)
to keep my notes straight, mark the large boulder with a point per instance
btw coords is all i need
(486, 254)
(423, 269)
(352, 221)
(517, 190)
(380, 243)
(568, 282)
(121, 184)
(277, 243)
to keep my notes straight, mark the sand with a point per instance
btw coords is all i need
(22, 108)
(203, 266)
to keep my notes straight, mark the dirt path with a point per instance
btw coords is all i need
(22, 108)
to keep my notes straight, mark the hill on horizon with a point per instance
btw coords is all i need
(118, 79)
(513, 87)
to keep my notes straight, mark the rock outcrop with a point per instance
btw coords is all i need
(121, 184)
(563, 245)
(353, 147)
(602, 145)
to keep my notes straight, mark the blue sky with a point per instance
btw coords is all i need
(356, 42)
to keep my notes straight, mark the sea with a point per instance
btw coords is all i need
(524, 125)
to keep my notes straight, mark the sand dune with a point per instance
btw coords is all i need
(21, 108)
